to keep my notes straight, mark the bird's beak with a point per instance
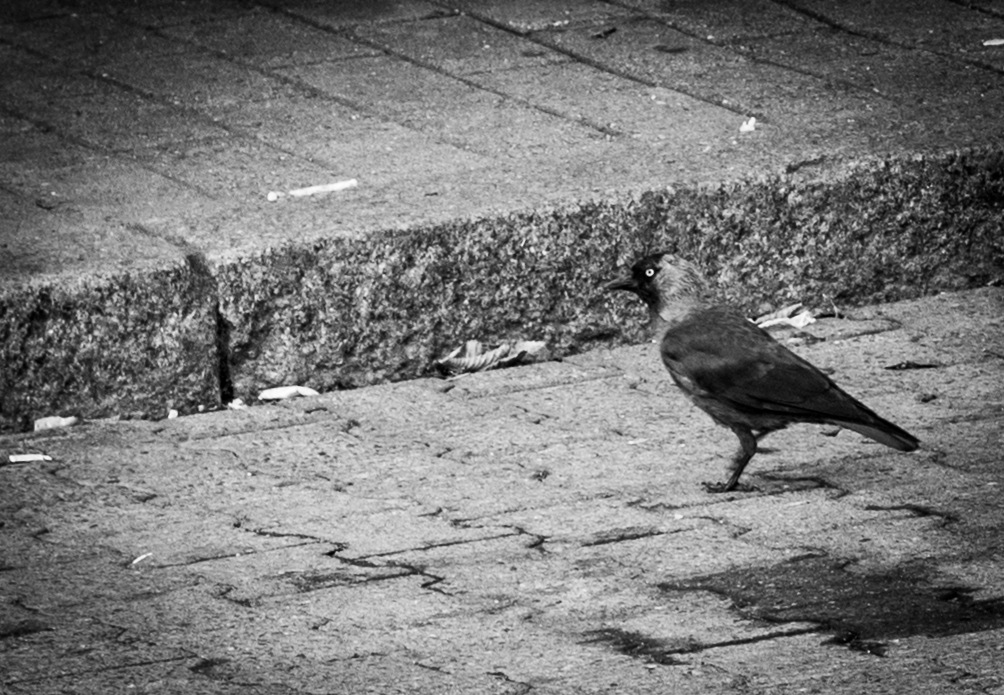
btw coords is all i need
(625, 281)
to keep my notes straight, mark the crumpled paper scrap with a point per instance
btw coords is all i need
(472, 356)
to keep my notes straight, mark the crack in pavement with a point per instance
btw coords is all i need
(522, 686)
(624, 535)
(664, 651)
(441, 544)
(238, 524)
(916, 510)
(537, 539)
(432, 580)
(242, 553)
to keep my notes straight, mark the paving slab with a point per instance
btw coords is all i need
(534, 529)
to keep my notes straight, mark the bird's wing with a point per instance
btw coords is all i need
(727, 358)
(734, 364)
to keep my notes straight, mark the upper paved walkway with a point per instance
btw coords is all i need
(507, 155)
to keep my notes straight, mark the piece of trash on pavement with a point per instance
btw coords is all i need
(794, 315)
(476, 358)
(910, 364)
(236, 404)
(281, 392)
(28, 458)
(54, 421)
(313, 190)
(748, 126)
(172, 414)
(141, 558)
(994, 42)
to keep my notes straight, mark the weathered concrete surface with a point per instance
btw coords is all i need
(508, 155)
(533, 530)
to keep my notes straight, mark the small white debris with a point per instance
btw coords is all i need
(172, 414)
(799, 321)
(28, 458)
(141, 558)
(802, 320)
(236, 404)
(474, 358)
(324, 188)
(53, 422)
(748, 126)
(314, 190)
(994, 42)
(282, 392)
(782, 313)
(794, 315)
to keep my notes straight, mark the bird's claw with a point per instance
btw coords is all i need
(725, 487)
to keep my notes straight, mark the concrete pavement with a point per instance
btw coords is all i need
(533, 530)
(507, 154)
(541, 529)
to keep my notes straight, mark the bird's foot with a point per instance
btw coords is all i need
(726, 487)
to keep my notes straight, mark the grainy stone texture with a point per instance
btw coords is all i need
(131, 344)
(347, 313)
(541, 529)
(508, 155)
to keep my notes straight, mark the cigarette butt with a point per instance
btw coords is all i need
(48, 423)
(324, 188)
(28, 458)
(282, 392)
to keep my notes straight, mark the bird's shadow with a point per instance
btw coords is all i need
(862, 610)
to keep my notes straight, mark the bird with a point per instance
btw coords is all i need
(734, 370)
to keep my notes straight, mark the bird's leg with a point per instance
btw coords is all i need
(747, 447)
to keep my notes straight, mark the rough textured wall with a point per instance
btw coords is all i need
(346, 313)
(340, 313)
(132, 345)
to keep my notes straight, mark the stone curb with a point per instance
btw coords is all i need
(340, 313)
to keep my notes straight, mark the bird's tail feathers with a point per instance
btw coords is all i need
(883, 432)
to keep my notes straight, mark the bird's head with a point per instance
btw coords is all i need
(668, 284)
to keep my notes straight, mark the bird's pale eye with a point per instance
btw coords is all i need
(650, 272)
